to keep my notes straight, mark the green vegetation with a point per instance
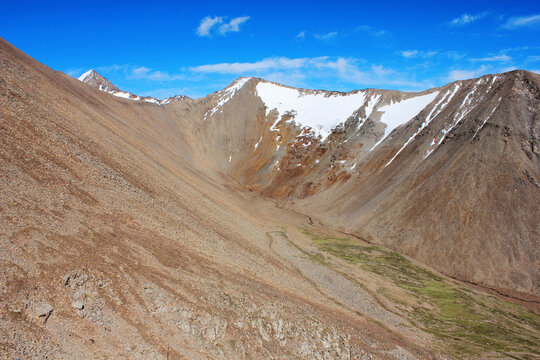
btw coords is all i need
(467, 322)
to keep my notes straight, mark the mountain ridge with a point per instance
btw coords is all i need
(332, 92)
(295, 158)
(126, 226)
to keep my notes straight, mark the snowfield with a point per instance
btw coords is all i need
(397, 114)
(320, 112)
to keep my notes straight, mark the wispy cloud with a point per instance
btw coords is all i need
(275, 63)
(233, 25)
(114, 68)
(466, 74)
(509, 68)
(138, 73)
(162, 93)
(370, 30)
(327, 36)
(533, 58)
(495, 58)
(522, 21)
(417, 54)
(207, 24)
(291, 71)
(212, 25)
(301, 35)
(143, 72)
(465, 19)
(75, 72)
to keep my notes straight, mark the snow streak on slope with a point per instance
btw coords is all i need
(399, 113)
(487, 118)
(438, 107)
(370, 106)
(468, 104)
(225, 95)
(319, 111)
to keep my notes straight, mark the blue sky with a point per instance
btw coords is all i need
(195, 48)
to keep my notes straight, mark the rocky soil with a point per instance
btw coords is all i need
(133, 230)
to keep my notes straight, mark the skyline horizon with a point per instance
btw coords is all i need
(183, 48)
(80, 78)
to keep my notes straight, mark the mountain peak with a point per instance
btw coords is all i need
(94, 79)
(98, 81)
(87, 75)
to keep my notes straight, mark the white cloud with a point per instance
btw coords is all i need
(138, 73)
(75, 72)
(468, 18)
(522, 21)
(510, 68)
(112, 68)
(372, 31)
(233, 25)
(409, 53)
(533, 58)
(346, 70)
(207, 24)
(301, 35)
(162, 93)
(496, 58)
(254, 67)
(417, 53)
(143, 72)
(326, 36)
(455, 75)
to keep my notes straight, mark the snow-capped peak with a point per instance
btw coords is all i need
(87, 75)
(95, 80)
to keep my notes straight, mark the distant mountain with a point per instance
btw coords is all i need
(392, 167)
(449, 176)
(95, 80)
(92, 78)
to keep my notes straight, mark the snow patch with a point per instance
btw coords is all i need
(125, 95)
(258, 142)
(83, 76)
(319, 111)
(225, 95)
(448, 96)
(397, 114)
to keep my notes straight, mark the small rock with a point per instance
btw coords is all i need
(65, 279)
(78, 304)
(78, 294)
(43, 311)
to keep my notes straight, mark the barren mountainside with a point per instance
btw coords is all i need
(264, 221)
(454, 186)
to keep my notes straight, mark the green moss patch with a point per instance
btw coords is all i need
(468, 322)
